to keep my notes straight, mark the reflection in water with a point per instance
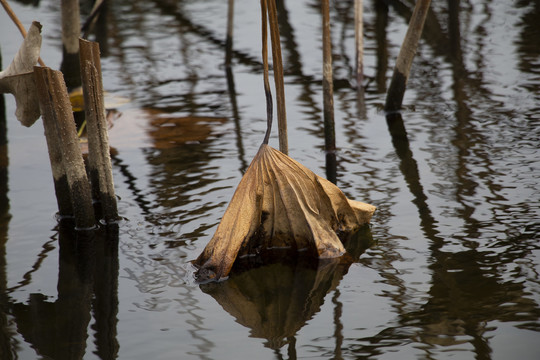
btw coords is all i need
(181, 161)
(275, 298)
(87, 280)
(468, 290)
(409, 169)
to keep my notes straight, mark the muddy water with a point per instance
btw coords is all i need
(449, 267)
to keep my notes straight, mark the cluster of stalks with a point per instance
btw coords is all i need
(78, 187)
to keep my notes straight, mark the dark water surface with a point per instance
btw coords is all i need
(449, 268)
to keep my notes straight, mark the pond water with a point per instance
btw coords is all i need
(448, 268)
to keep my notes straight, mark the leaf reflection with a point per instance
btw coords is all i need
(275, 299)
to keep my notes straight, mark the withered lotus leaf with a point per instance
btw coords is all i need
(280, 203)
(18, 79)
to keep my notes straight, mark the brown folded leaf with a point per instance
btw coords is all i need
(18, 79)
(279, 203)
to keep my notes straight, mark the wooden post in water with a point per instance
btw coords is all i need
(64, 151)
(99, 160)
(328, 95)
(394, 96)
(61, 188)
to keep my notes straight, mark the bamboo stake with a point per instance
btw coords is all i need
(60, 128)
(100, 168)
(278, 76)
(394, 96)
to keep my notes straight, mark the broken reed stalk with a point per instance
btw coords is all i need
(394, 96)
(229, 38)
(359, 41)
(328, 83)
(63, 142)
(17, 23)
(99, 160)
(61, 187)
(71, 28)
(328, 95)
(278, 76)
(91, 19)
(359, 45)
(4, 159)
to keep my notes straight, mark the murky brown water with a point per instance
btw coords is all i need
(449, 267)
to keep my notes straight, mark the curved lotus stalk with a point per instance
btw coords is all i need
(279, 203)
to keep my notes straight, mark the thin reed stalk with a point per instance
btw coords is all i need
(17, 23)
(229, 38)
(398, 84)
(359, 41)
(328, 95)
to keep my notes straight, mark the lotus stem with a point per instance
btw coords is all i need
(267, 91)
(17, 23)
(278, 76)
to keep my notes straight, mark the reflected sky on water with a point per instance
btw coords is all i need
(449, 267)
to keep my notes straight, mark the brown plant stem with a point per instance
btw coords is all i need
(70, 40)
(17, 23)
(229, 38)
(62, 141)
(359, 45)
(91, 19)
(100, 168)
(394, 96)
(359, 41)
(278, 76)
(328, 95)
(267, 91)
